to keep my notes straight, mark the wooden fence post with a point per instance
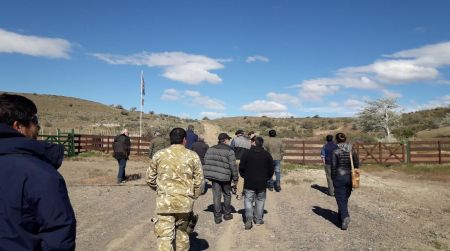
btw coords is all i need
(303, 152)
(380, 153)
(408, 152)
(439, 149)
(139, 146)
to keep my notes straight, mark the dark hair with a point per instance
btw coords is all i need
(259, 141)
(272, 133)
(177, 135)
(17, 108)
(340, 138)
(329, 138)
(250, 133)
(190, 127)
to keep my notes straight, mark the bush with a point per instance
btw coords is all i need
(266, 123)
(124, 112)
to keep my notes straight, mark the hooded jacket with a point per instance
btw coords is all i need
(341, 165)
(256, 167)
(35, 210)
(240, 144)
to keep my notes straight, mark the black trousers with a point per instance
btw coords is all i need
(220, 188)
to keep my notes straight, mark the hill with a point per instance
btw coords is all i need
(90, 117)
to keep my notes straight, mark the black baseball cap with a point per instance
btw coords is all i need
(223, 136)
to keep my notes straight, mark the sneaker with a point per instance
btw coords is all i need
(270, 188)
(218, 220)
(277, 189)
(228, 217)
(248, 225)
(345, 223)
(238, 197)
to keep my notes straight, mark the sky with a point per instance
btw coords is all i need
(211, 58)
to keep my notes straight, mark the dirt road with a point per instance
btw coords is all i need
(211, 133)
(390, 212)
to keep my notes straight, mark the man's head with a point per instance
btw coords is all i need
(272, 133)
(239, 132)
(177, 136)
(259, 141)
(191, 127)
(20, 113)
(201, 138)
(329, 138)
(251, 135)
(125, 132)
(224, 138)
(340, 138)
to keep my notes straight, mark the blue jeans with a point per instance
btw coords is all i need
(270, 183)
(256, 211)
(342, 191)
(122, 165)
(218, 188)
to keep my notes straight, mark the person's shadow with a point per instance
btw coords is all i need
(197, 244)
(210, 208)
(327, 214)
(320, 188)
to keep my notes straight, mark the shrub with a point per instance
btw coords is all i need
(266, 123)
(124, 112)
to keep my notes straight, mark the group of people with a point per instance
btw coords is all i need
(36, 213)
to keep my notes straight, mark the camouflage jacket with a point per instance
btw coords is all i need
(157, 144)
(175, 173)
(275, 147)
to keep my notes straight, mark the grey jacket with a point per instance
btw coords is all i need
(220, 164)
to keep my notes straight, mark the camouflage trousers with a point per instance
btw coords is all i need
(170, 231)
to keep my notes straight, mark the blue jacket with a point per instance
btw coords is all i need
(327, 152)
(191, 137)
(35, 211)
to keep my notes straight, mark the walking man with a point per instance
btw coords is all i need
(240, 144)
(35, 210)
(158, 142)
(220, 168)
(256, 167)
(122, 147)
(275, 147)
(191, 137)
(326, 155)
(200, 147)
(342, 177)
(175, 173)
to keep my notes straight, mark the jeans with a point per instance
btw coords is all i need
(329, 180)
(342, 191)
(270, 183)
(122, 165)
(256, 211)
(218, 188)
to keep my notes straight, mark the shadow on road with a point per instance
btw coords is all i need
(197, 244)
(320, 188)
(210, 208)
(327, 214)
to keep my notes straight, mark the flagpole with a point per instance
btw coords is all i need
(142, 105)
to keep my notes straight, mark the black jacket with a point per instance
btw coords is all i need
(340, 165)
(121, 146)
(256, 167)
(200, 148)
(35, 211)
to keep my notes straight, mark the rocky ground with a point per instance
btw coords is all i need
(391, 211)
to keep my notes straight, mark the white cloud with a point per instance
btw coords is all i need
(178, 66)
(443, 101)
(212, 115)
(193, 98)
(407, 66)
(255, 58)
(264, 106)
(171, 95)
(275, 114)
(11, 42)
(283, 98)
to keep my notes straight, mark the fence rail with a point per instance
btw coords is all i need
(296, 151)
(438, 152)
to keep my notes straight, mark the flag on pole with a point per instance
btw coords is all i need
(142, 88)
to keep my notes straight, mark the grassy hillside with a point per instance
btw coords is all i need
(89, 117)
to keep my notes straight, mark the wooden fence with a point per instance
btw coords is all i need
(103, 143)
(297, 151)
(437, 152)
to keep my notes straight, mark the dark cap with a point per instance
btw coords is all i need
(223, 136)
(239, 132)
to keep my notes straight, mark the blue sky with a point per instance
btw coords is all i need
(230, 58)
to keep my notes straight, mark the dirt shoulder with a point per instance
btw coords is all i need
(388, 213)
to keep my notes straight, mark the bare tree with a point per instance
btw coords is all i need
(379, 114)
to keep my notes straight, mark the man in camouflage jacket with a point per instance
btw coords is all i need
(175, 173)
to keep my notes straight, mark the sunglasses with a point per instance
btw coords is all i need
(34, 119)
